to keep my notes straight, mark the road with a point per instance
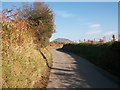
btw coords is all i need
(72, 71)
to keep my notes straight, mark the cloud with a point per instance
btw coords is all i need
(109, 33)
(94, 26)
(94, 29)
(93, 32)
(64, 14)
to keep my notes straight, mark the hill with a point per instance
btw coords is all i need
(62, 40)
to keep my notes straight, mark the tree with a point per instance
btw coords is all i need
(40, 18)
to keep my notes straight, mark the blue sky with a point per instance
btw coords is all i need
(82, 20)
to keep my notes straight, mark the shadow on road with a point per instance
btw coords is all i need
(83, 75)
(61, 69)
(73, 77)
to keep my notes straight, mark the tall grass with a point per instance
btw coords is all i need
(104, 55)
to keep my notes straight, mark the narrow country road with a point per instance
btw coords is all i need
(72, 71)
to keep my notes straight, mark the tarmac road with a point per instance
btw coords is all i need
(72, 71)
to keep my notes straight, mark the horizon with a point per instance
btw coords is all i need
(85, 20)
(82, 20)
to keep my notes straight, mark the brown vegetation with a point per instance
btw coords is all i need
(24, 40)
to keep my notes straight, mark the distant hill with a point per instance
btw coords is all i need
(62, 40)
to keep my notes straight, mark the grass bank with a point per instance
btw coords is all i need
(104, 55)
(26, 67)
(25, 56)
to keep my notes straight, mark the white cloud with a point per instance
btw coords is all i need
(109, 33)
(88, 23)
(93, 32)
(94, 26)
(94, 29)
(64, 14)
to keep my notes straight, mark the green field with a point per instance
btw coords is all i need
(104, 55)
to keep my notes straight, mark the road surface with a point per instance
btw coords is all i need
(72, 71)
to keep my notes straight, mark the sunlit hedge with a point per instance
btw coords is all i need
(23, 65)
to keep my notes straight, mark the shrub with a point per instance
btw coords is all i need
(40, 18)
(23, 66)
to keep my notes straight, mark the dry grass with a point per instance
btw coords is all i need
(23, 66)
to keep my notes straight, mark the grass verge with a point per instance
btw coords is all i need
(25, 67)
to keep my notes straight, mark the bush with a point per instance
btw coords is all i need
(40, 18)
(23, 66)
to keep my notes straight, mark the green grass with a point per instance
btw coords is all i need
(104, 55)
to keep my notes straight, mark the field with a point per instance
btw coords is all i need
(104, 55)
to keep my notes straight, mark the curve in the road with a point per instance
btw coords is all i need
(72, 71)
